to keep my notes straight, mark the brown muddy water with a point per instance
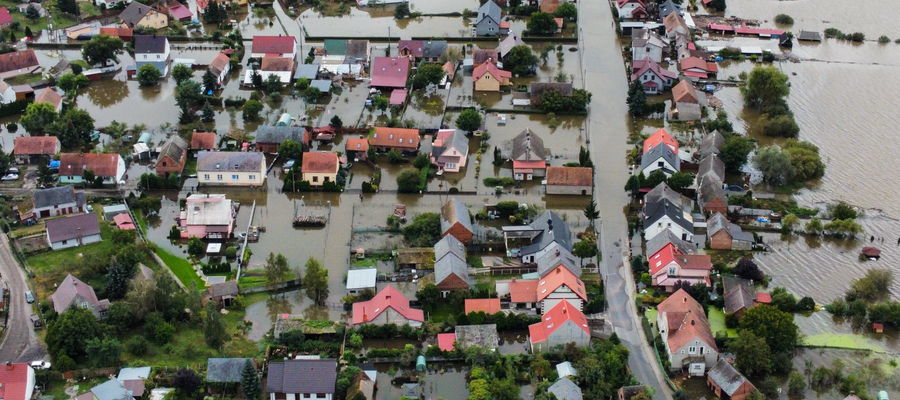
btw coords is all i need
(872, 17)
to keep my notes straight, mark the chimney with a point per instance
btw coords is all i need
(693, 322)
(558, 270)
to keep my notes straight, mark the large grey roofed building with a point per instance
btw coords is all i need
(228, 161)
(302, 376)
(72, 227)
(553, 229)
(56, 196)
(661, 151)
(147, 44)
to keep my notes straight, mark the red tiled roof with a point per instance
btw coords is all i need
(398, 96)
(277, 64)
(35, 145)
(487, 306)
(550, 6)
(570, 176)
(640, 67)
(356, 144)
(684, 92)
(529, 164)
(446, 341)
(660, 137)
(123, 221)
(415, 48)
(14, 380)
(181, 12)
(220, 62)
(624, 2)
(721, 27)
(523, 291)
(555, 318)
(18, 60)
(390, 72)
(744, 30)
(117, 32)
(74, 164)
(558, 277)
(490, 68)
(686, 320)
(319, 162)
(5, 18)
(763, 297)
(480, 56)
(49, 96)
(697, 63)
(203, 140)
(395, 137)
(389, 297)
(273, 44)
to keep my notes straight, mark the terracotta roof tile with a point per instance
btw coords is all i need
(319, 162)
(570, 176)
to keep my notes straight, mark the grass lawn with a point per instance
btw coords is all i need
(141, 220)
(841, 341)
(24, 231)
(182, 269)
(717, 322)
(442, 313)
(251, 281)
(651, 314)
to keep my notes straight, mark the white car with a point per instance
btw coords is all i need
(10, 177)
(40, 364)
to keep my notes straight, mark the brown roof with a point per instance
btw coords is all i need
(74, 164)
(395, 137)
(50, 96)
(34, 145)
(18, 60)
(277, 64)
(72, 227)
(203, 140)
(684, 92)
(356, 144)
(686, 320)
(550, 6)
(220, 62)
(227, 288)
(319, 162)
(570, 176)
(481, 55)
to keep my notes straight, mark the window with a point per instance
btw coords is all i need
(234, 177)
(321, 395)
(163, 163)
(702, 349)
(326, 179)
(660, 164)
(65, 241)
(252, 177)
(219, 177)
(315, 178)
(673, 270)
(206, 176)
(692, 350)
(158, 56)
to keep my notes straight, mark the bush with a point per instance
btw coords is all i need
(884, 39)
(137, 346)
(497, 181)
(231, 252)
(784, 19)
(780, 126)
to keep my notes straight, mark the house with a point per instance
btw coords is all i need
(180, 13)
(71, 231)
(685, 333)
(133, 380)
(450, 150)
(51, 97)
(665, 237)
(172, 157)
(809, 36)
(668, 267)
(384, 139)
(695, 68)
(361, 279)
(17, 380)
(570, 180)
(560, 285)
(664, 215)
(528, 156)
(660, 158)
(565, 389)
(53, 202)
(488, 21)
(481, 56)
(389, 72)
(231, 168)
(357, 149)
(561, 325)
(273, 46)
(111, 210)
(220, 66)
(484, 336)
(724, 235)
(28, 149)
(432, 50)
(668, 7)
(536, 90)
(710, 196)
(72, 292)
(543, 235)
(711, 168)
(389, 306)
(661, 136)
(223, 293)
(124, 222)
(565, 369)
(674, 24)
(18, 63)
(269, 137)
(413, 49)
(507, 44)
(207, 216)
(489, 78)
(487, 306)
(646, 43)
(110, 168)
(522, 293)
(225, 370)
(140, 15)
(559, 257)
(652, 77)
(688, 102)
(631, 9)
(153, 50)
(727, 383)
(279, 67)
(739, 295)
(664, 192)
(711, 144)
(203, 140)
(451, 272)
(398, 97)
(320, 167)
(126, 34)
(307, 71)
(455, 221)
(304, 378)
(112, 389)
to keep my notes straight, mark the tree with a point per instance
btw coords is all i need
(117, 279)
(541, 23)
(272, 84)
(276, 268)
(814, 226)
(148, 75)
(774, 164)
(504, 389)
(213, 326)
(38, 116)
(207, 113)
(291, 150)
(45, 176)
(843, 227)
(408, 181)
(637, 99)
(428, 74)
(734, 152)
(336, 122)
(71, 83)
(753, 356)
(215, 13)
(585, 249)
(423, 231)
(301, 84)
(766, 87)
(189, 95)
(402, 11)
(718, 5)
(784, 19)
(776, 327)
(315, 281)
(196, 247)
(521, 60)
(779, 125)
(841, 210)
(250, 381)
(747, 269)
(468, 120)
(210, 82)
(873, 286)
(102, 48)
(680, 180)
(71, 330)
(805, 159)
(181, 73)
(251, 110)
(591, 212)
(380, 102)
(567, 11)
(32, 14)
(104, 351)
(73, 128)
(789, 222)
(186, 381)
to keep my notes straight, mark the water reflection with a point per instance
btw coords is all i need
(106, 93)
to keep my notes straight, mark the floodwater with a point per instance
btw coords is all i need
(870, 17)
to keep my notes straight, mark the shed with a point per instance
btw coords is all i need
(565, 369)
(360, 279)
(420, 363)
(398, 97)
(446, 341)
(809, 36)
(308, 71)
(225, 369)
(484, 336)
(323, 85)
(112, 210)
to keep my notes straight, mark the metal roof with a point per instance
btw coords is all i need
(361, 278)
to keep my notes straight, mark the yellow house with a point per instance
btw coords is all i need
(319, 167)
(489, 78)
(140, 15)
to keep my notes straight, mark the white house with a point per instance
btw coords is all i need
(661, 157)
(52, 202)
(306, 378)
(110, 167)
(653, 78)
(560, 285)
(685, 332)
(280, 67)
(545, 234)
(562, 325)
(231, 168)
(663, 215)
(647, 44)
(17, 381)
(76, 230)
(153, 50)
(361, 279)
(631, 9)
(220, 66)
(7, 94)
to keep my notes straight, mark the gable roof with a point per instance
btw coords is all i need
(559, 257)
(49, 96)
(180, 12)
(570, 176)
(487, 306)
(565, 389)
(553, 229)
(717, 222)
(203, 140)
(527, 146)
(175, 148)
(489, 10)
(112, 389)
(302, 376)
(70, 288)
(356, 51)
(273, 44)
(561, 313)
(645, 37)
(668, 7)
(390, 72)
(18, 60)
(661, 151)
(739, 297)
(660, 137)
(655, 211)
(674, 21)
(697, 63)
(711, 167)
(225, 369)
(640, 67)
(320, 162)
(450, 265)
(273, 134)
(559, 277)
(663, 191)
(356, 144)
(416, 48)
(74, 164)
(480, 56)
(229, 161)
(35, 145)
(134, 13)
(147, 44)
(119, 32)
(223, 289)
(711, 143)
(665, 237)
(450, 139)
(434, 48)
(449, 245)
(489, 68)
(277, 64)
(14, 381)
(55, 196)
(383, 136)
(389, 297)
(686, 320)
(726, 377)
(685, 92)
(308, 71)
(454, 211)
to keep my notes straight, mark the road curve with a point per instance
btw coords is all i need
(20, 344)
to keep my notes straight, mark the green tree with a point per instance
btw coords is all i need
(250, 381)
(45, 176)
(32, 14)
(196, 247)
(814, 226)
(291, 150)
(566, 10)
(37, 117)
(521, 60)
(774, 164)
(117, 279)
(186, 382)
(585, 249)
(104, 351)
(774, 326)
(468, 120)
(402, 11)
(214, 326)
(753, 356)
(315, 281)
(189, 95)
(68, 6)
(210, 81)
(841, 210)
(805, 159)
(73, 128)
(591, 212)
(301, 84)
(504, 389)
(789, 222)
(276, 268)
(148, 75)
(541, 23)
(718, 5)
(272, 84)
(734, 152)
(428, 74)
(843, 227)
(336, 122)
(70, 331)
(637, 99)
(408, 181)
(784, 19)
(251, 110)
(680, 180)
(873, 286)
(101, 49)
(71, 83)
(766, 87)
(380, 103)
(181, 73)
(779, 125)
(215, 13)
(423, 231)
(207, 113)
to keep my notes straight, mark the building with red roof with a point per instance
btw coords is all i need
(357, 148)
(489, 78)
(389, 306)
(569, 180)
(398, 97)
(661, 136)
(5, 19)
(29, 148)
(685, 332)
(487, 306)
(389, 72)
(320, 167)
(523, 294)
(558, 285)
(669, 266)
(402, 139)
(126, 34)
(697, 68)
(109, 167)
(181, 13)
(653, 78)
(763, 298)
(561, 325)
(123, 221)
(16, 381)
(446, 341)
(220, 66)
(411, 48)
(273, 46)
(203, 140)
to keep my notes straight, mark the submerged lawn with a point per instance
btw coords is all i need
(842, 341)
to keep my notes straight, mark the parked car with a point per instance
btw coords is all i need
(40, 364)
(13, 170)
(29, 297)
(10, 177)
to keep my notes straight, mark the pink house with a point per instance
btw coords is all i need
(668, 266)
(207, 216)
(450, 150)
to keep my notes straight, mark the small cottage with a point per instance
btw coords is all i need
(320, 167)
(570, 180)
(172, 157)
(455, 220)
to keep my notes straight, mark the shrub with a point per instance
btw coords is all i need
(498, 181)
(137, 346)
(884, 39)
(784, 19)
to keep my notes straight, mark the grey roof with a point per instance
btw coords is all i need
(324, 85)
(302, 376)
(308, 71)
(362, 278)
(812, 36)
(565, 389)
(229, 161)
(70, 288)
(434, 48)
(278, 134)
(738, 297)
(357, 51)
(477, 335)
(455, 211)
(537, 89)
(553, 228)
(667, 8)
(225, 369)
(724, 375)
(663, 191)
(661, 151)
(710, 189)
(711, 143)
(711, 166)
(72, 227)
(449, 244)
(450, 265)
(224, 289)
(126, 374)
(457, 140)
(565, 369)
(133, 14)
(489, 10)
(527, 146)
(111, 390)
(665, 237)
(552, 259)
(146, 44)
(174, 148)
(718, 222)
(653, 212)
(56, 196)
(510, 41)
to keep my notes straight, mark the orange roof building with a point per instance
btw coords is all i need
(561, 325)
(487, 306)
(661, 137)
(203, 141)
(685, 331)
(570, 180)
(402, 139)
(319, 167)
(489, 78)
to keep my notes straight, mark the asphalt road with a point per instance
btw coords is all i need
(20, 343)
(604, 76)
